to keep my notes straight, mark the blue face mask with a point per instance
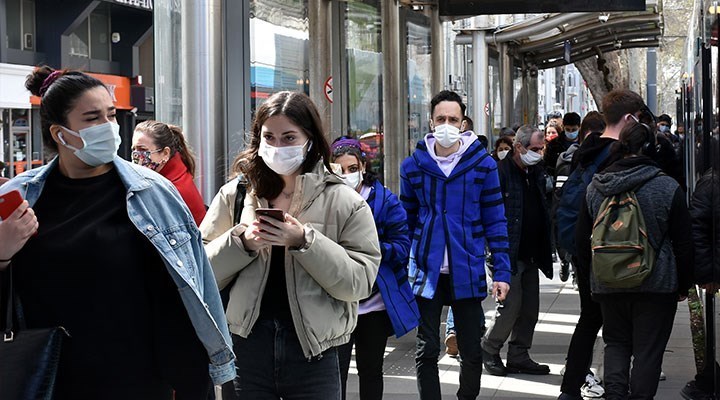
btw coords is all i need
(664, 128)
(572, 135)
(100, 143)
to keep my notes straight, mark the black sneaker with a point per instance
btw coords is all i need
(493, 364)
(564, 271)
(527, 367)
(565, 396)
(692, 392)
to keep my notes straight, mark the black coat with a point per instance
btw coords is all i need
(706, 232)
(512, 184)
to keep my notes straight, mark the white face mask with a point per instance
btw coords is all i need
(446, 135)
(502, 154)
(283, 160)
(100, 143)
(353, 179)
(530, 158)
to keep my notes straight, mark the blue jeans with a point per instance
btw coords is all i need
(470, 318)
(271, 365)
(450, 322)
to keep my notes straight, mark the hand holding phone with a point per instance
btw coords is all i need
(274, 213)
(275, 228)
(18, 224)
(9, 202)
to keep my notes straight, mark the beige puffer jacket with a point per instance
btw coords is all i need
(326, 281)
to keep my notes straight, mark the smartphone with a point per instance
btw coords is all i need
(9, 202)
(275, 213)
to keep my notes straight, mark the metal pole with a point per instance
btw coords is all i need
(437, 57)
(394, 119)
(652, 79)
(480, 82)
(202, 89)
(506, 84)
(320, 53)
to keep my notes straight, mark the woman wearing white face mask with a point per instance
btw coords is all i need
(295, 281)
(117, 260)
(391, 307)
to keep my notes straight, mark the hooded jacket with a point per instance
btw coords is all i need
(325, 281)
(461, 212)
(392, 279)
(662, 203)
(705, 213)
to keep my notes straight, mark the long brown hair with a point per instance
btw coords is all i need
(165, 135)
(302, 112)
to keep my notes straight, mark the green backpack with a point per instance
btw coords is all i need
(622, 256)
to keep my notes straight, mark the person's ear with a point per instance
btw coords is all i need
(56, 132)
(462, 126)
(432, 126)
(166, 153)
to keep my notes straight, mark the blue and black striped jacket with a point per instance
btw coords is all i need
(392, 278)
(461, 212)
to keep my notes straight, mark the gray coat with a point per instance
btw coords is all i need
(655, 195)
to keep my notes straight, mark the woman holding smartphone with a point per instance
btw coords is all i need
(391, 307)
(117, 259)
(296, 281)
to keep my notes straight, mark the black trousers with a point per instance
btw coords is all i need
(582, 343)
(637, 327)
(469, 327)
(370, 338)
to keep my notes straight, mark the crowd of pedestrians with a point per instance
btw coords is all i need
(317, 257)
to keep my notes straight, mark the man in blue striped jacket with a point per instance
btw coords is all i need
(451, 192)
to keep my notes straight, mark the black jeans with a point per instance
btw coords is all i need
(637, 327)
(271, 365)
(582, 343)
(469, 327)
(370, 338)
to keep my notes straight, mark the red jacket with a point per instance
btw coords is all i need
(176, 172)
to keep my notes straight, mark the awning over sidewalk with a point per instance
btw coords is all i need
(552, 40)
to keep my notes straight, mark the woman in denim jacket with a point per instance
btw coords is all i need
(117, 260)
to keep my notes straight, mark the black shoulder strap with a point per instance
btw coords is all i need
(239, 199)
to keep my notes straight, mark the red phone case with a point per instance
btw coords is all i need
(9, 202)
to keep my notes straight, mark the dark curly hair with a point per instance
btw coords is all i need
(299, 109)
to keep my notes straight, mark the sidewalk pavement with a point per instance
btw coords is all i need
(559, 310)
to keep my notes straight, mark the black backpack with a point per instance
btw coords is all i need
(237, 212)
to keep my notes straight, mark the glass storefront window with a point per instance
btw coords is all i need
(79, 45)
(419, 71)
(28, 25)
(100, 33)
(279, 35)
(14, 37)
(364, 77)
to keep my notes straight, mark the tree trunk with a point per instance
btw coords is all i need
(616, 68)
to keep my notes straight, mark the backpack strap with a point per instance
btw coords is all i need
(239, 199)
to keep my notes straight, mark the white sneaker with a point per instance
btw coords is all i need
(592, 388)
